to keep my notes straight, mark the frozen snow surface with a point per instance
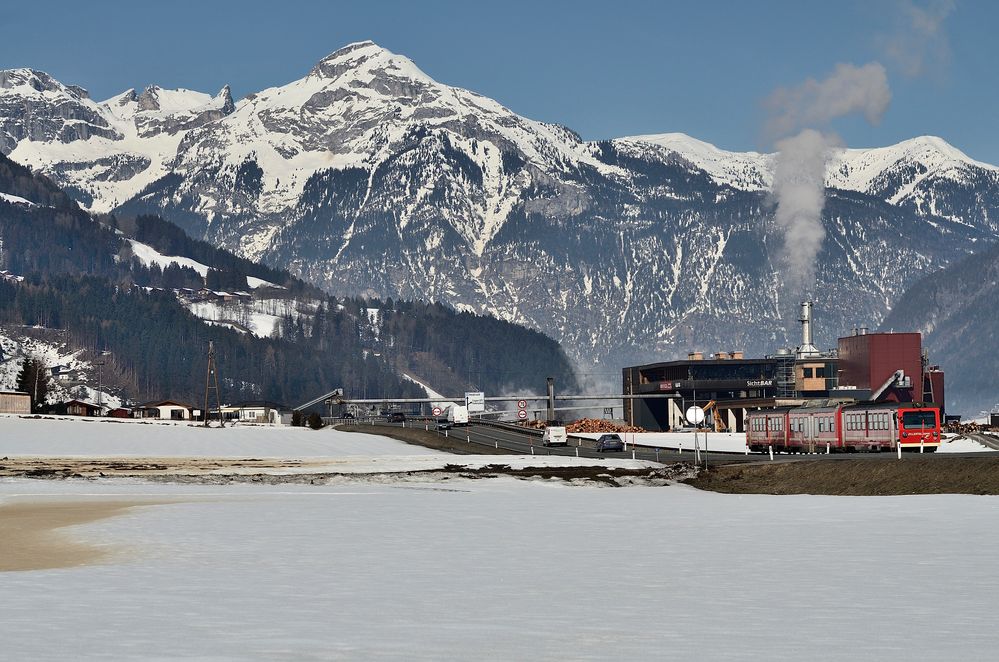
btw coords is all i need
(963, 445)
(81, 437)
(509, 570)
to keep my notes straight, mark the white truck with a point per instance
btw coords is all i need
(457, 415)
(555, 436)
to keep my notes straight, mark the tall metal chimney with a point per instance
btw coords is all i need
(551, 398)
(807, 348)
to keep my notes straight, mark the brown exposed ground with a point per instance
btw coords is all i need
(911, 475)
(31, 536)
(221, 471)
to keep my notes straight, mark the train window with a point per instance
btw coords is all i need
(832, 424)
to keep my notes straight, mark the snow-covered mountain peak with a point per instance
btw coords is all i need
(169, 102)
(32, 81)
(891, 172)
(363, 60)
(751, 171)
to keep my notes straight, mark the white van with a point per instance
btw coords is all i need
(555, 436)
(457, 415)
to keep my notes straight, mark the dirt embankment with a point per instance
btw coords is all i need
(911, 475)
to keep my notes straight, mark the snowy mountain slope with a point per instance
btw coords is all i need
(924, 173)
(102, 152)
(357, 109)
(368, 177)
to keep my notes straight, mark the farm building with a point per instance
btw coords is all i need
(166, 409)
(255, 411)
(15, 402)
(82, 408)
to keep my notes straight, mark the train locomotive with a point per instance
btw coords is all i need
(860, 427)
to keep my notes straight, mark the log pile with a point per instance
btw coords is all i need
(599, 425)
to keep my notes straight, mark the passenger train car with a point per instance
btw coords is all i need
(844, 428)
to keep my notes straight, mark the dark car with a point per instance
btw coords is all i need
(609, 442)
(397, 417)
(347, 415)
(444, 425)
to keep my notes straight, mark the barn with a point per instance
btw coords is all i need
(15, 402)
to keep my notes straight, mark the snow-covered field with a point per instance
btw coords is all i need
(954, 444)
(72, 437)
(495, 569)
(315, 451)
(511, 570)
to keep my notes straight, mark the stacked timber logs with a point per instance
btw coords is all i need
(586, 425)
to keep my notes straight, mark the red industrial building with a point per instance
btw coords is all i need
(888, 367)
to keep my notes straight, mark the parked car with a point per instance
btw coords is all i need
(609, 442)
(397, 417)
(348, 415)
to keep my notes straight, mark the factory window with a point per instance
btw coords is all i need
(820, 372)
(807, 372)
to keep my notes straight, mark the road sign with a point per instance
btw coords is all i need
(522, 414)
(475, 401)
(695, 415)
(437, 411)
(521, 404)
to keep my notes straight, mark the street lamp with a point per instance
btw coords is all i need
(100, 379)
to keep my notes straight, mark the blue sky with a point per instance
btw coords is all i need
(604, 69)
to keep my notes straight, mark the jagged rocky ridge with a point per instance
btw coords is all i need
(369, 177)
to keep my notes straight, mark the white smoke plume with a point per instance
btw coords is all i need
(813, 104)
(799, 171)
(919, 41)
(799, 187)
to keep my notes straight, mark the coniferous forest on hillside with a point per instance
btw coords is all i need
(81, 276)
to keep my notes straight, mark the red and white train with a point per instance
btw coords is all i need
(844, 428)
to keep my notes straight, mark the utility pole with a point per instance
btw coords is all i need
(100, 379)
(212, 381)
(34, 395)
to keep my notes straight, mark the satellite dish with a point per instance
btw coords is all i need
(695, 415)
